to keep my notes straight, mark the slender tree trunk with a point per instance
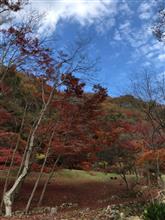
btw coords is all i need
(137, 175)
(148, 178)
(123, 175)
(37, 182)
(40, 174)
(50, 176)
(24, 155)
(9, 195)
(47, 181)
(158, 174)
(8, 205)
(13, 155)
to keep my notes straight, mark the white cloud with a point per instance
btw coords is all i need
(145, 10)
(131, 26)
(124, 8)
(161, 57)
(140, 37)
(144, 7)
(117, 36)
(125, 26)
(145, 15)
(150, 55)
(83, 11)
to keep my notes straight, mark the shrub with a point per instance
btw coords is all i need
(154, 211)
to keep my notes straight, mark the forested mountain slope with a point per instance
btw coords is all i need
(99, 122)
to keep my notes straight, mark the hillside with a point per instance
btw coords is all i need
(105, 134)
(21, 101)
(19, 89)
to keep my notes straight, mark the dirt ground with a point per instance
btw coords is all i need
(87, 196)
(84, 194)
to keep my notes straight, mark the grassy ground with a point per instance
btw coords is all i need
(82, 176)
(70, 176)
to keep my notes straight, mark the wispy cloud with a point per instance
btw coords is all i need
(124, 22)
(139, 38)
(145, 10)
(85, 12)
(161, 57)
(124, 8)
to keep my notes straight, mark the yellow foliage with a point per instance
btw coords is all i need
(40, 156)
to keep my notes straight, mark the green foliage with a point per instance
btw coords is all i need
(114, 116)
(127, 101)
(154, 211)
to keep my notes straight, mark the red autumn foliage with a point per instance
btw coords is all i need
(75, 134)
(6, 155)
(4, 116)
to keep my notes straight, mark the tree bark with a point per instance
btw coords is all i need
(47, 181)
(37, 182)
(9, 195)
(13, 155)
(40, 174)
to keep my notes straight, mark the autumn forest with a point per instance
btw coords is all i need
(70, 153)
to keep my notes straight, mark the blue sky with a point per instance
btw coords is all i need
(120, 31)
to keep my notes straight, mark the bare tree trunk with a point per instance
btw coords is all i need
(50, 176)
(8, 205)
(37, 182)
(24, 155)
(148, 178)
(13, 155)
(137, 175)
(47, 181)
(40, 174)
(9, 195)
(123, 175)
